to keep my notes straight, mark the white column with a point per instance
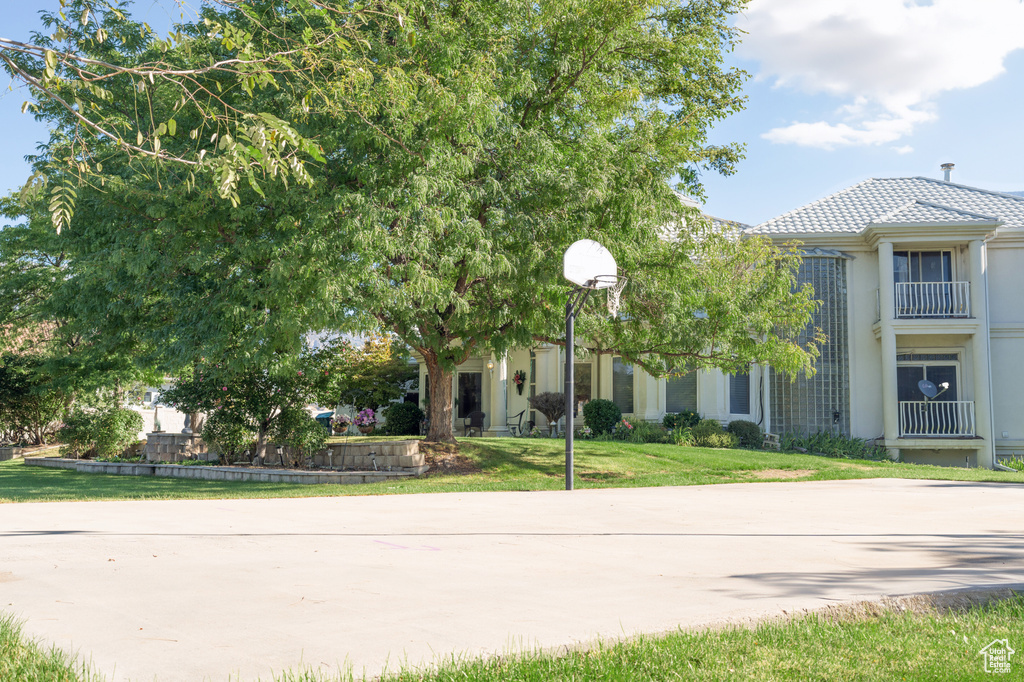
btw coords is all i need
(890, 393)
(499, 397)
(982, 366)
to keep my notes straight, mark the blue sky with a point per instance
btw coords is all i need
(841, 90)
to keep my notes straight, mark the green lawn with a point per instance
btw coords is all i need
(504, 464)
(892, 645)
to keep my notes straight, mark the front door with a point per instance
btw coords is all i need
(470, 393)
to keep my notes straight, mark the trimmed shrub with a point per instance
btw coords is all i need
(402, 419)
(710, 434)
(681, 420)
(549, 404)
(750, 434)
(601, 415)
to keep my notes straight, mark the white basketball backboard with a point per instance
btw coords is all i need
(585, 260)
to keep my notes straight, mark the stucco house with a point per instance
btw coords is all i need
(920, 279)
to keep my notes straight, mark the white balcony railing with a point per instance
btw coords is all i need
(933, 299)
(948, 418)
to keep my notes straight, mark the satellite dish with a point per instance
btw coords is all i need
(929, 389)
(585, 261)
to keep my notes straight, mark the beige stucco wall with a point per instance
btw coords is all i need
(1006, 315)
(864, 347)
(649, 394)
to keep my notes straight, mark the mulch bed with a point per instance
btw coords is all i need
(445, 459)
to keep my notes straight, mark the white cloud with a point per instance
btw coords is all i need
(905, 149)
(888, 59)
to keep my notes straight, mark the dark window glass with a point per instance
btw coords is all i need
(681, 393)
(622, 385)
(470, 392)
(908, 376)
(739, 393)
(583, 375)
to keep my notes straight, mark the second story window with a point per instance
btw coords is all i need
(925, 285)
(922, 266)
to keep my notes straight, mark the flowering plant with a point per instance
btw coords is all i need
(341, 420)
(365, 418)
(519, 377)
(622, 430)
(584, 433)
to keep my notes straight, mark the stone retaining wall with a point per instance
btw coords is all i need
(387, 455)
(168, 446)
(7, 453)
(211, 473)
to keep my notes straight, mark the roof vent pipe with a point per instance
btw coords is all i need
(947, 169)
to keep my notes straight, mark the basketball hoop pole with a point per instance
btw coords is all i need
(577, 297)
(589, 266)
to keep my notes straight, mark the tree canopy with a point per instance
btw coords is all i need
(446, 152)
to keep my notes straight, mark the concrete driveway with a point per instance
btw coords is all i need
(192, 590)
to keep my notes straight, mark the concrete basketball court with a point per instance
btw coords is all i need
(194, 590)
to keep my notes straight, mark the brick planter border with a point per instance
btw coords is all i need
(222, 473)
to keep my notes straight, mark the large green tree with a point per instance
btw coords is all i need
(465, 144)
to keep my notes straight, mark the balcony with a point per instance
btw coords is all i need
(937, 419)
(933, 299)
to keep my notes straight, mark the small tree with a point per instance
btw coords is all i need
(551, 405)
(372, 375)
(254, 398)
(30, 410)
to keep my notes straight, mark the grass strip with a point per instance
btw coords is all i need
(861, 643)
(25, 660)
(502, 464)
(879, 645)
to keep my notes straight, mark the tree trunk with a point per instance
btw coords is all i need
(440, 410)
(261, 444)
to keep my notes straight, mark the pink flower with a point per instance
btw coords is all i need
(223, 388)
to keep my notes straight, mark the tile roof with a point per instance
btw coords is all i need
(897, 200)
(924, 212)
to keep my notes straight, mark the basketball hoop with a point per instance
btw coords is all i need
(582, 264)
(614, 285)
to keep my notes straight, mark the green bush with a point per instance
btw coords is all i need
(402, 419)
(102, 433)
(834, 445)
(647, 432)
(710, 434)
(228, 438)
(1013, 463)
(601, 415)
(750, 434)
(682, 436)
(297, 430)
(681, 420)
